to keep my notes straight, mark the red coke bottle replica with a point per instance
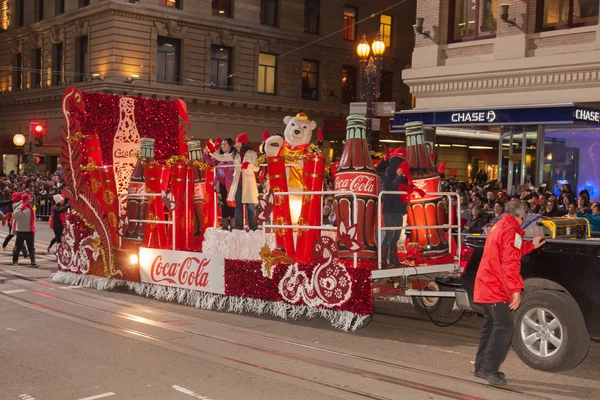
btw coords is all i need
(428, 210)
(137, 206)
(356, 174)
(195, 149)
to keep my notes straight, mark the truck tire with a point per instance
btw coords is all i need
(550, 332)
(433, 306)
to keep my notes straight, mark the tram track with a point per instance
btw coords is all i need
(294, 357)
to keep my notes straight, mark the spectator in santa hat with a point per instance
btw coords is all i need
(58, 219)
(8, 206)
(24, 226)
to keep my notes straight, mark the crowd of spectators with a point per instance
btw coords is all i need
(41, 186)
(482, 205)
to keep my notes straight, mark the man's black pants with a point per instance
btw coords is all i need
(29, 238)
(495, 337)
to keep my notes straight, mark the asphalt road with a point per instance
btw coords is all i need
(59, 342)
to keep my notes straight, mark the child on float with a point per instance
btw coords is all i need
(221, 154)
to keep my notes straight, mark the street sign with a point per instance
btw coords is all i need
(381, 109)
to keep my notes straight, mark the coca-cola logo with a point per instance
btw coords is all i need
(125, 153)
(190, 272)
(136, 188)
(356, 182)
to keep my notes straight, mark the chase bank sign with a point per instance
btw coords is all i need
(473, 116)
(587, 115)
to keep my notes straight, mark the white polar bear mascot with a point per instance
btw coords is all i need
(295, 143)
(297, 137)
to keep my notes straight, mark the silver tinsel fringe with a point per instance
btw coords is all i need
(344, 320)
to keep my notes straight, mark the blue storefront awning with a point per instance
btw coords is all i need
(541, 114)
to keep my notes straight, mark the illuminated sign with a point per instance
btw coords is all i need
(477, 116)
(587, 115)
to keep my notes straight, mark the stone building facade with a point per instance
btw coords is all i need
(241, 65)
(547, 52)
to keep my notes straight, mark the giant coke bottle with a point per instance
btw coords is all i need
(195, 151)
(356, 174)
(137, 206)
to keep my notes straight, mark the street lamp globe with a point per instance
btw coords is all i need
(19, 140)
(378, 45)
(363, 49)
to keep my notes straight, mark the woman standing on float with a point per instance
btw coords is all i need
(223, 157)
(246, 195)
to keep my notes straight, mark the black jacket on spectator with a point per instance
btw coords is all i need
(475, 225)
(392, 203)
(6, 206)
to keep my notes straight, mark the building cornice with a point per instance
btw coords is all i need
(276, 104)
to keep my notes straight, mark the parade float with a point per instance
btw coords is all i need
(144, 216)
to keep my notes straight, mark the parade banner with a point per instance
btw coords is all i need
(184, 270)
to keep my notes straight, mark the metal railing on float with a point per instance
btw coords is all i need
(409, 271)
(149, 221)
(320, 227)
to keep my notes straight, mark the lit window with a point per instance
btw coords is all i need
(385, 29)
(170, 3)
(310, 80)
(168, 60)
(349, 23)
(474, 19)
(561, 14)
(222, 8)
(220, 67)
(267, 68)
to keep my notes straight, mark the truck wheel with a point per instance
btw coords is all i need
(550, 332)
(433, 306)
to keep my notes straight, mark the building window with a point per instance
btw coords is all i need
(220, 67)
(385, 29)
(81, 67)
(310, 80)
(17, 72)
(269, 12)
(386, 89)
(349, 84)
(37, 69)
(561, 14)
(21, 12)
(57, 64)
(170, 3)
(349, 23)
(222, 8)
(168, 60)
(38, 10)
(83, 3)
(267, 69)
(312, 13)
(60, 7)
(473, 19)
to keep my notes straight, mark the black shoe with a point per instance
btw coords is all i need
(494, 379)
(34, 265)
(480, 374)
(49, 247)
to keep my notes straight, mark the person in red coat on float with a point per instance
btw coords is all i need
(498, 287)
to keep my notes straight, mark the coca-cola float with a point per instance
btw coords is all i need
(144, 216)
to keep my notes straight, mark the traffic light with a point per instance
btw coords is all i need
(38, 131)
(40, 160)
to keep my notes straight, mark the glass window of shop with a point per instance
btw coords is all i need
(518, 157)
(473, 19)
(564, 14)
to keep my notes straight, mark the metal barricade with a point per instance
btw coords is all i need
(44, 206)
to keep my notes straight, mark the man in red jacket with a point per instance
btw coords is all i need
(498, 287)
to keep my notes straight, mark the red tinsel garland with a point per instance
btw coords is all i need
(245, 279)
(156, 119)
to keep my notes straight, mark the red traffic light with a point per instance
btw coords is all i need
(38, 129)
(39, 160)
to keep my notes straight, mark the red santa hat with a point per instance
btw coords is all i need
(242, 138)
(16, 197)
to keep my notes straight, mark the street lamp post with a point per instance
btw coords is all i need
(19, 141)
(370, 78)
